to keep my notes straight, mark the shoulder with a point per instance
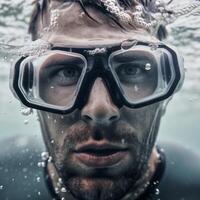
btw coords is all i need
(181, 178)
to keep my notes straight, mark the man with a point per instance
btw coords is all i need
(101, 81)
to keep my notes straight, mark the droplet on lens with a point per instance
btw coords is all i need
(136, 88)
(148, 66)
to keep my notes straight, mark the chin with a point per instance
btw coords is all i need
(98, 188)
(100, 184)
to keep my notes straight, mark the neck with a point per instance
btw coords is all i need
(139, 188)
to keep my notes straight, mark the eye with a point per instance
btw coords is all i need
(66, 75)
(130, 72)
(69, 72)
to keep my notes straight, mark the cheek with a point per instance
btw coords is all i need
(56, 124)
(141, 119)
(54, 127)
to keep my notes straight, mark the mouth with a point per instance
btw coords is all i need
(100, 155)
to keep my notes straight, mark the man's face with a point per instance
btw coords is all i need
(100, 151)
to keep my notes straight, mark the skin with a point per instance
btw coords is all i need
(99, 121)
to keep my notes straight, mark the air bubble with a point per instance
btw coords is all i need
(39, 193)
(1, 187)
(36, 47)
(26, 121)
(56, 190)
(52, 141)
(148, 66)
(81, 14)
(153, 46)
(50, 159)
(60, 180)
(157, 191)
(162, 150)
(58, 184)
(52, 87)
(155, 183)
(41, 164)
(157, 3)
(38, 179)
(63, 190)
(26, 111)
(139, 8)
(44, 156)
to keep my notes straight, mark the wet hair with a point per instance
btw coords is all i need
(40, 6)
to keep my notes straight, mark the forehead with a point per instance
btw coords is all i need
(70, 25)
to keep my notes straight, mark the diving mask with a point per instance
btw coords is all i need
(60, 79)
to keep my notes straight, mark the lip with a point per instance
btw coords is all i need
(100, 155)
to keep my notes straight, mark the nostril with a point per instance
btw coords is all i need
(87, 118)
(113, 118)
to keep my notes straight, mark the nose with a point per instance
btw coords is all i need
(99, 108)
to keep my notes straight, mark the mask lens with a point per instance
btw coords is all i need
(52, 79)
(141, 74)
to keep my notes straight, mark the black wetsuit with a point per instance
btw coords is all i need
(177, 176)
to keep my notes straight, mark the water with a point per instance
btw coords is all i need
(181, 121)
